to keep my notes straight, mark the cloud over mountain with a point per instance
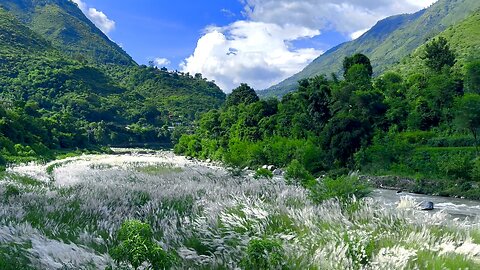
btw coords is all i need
(97, 17)
(259, 49)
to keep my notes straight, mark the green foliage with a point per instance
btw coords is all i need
(135, 246)
(472, 78)
(263, 173)
(264, 254)
(51, 100)
(242, 94)
(11, 191)
(468, 114)
(357, 59)
(398, 125)
(62, 24)
(296, 173)
(343, 188)
(438, 54)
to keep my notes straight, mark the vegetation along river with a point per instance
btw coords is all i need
(66, 215)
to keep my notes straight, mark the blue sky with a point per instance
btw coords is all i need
(260, 42)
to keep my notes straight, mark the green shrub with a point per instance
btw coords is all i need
(135, 245)
(3, 163)
(11, 191)
(475, 174)
(456, 166)
(455, 141)
(263, 173)
(263, 254)
(342, 188)
(296, 172)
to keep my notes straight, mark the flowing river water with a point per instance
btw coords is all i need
(454, 207)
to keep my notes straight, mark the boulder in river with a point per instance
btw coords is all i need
(271, 168)
(426, 206)
(277, 172)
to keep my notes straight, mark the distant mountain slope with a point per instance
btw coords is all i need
(387, 42)
(463, 38)
(63, 24)
(15, 36)
(52, 99)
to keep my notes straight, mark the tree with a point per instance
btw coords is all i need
(438, 54)
(472, 78)
(242, 94)
(357, 59)
(344, 135)
(136, 246)
(359, 76)
(468, 114)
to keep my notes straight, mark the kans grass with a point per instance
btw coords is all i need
(65, 215)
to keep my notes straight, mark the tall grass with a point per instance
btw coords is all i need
(69, 218)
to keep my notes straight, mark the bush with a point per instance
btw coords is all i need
(295, 172)
(263, 173)
(3, 163)
(263, 254)
(342, 188)
(11, 191)
(135, 245)
(475, 174)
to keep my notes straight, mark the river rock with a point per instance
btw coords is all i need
(271, 168)
(426, 206)
(208, 160)
(189, 158)
(277, 172)
(265, 167)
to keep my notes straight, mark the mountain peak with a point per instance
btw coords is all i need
(62, 23)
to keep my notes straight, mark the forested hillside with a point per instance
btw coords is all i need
(387, 43)
(63, 24)
(52, 100)
(423, 124)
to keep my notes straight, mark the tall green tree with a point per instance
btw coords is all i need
(438, 54)
(357, 59)
(242, 94)
(468, 115)
(472, 77)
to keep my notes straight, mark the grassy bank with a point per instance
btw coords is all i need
(207, 219)
(416, 163)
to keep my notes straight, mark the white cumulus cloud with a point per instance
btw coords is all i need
(97, 17)
(346, 16)
(161, 62)
(258, 50)
(253, 52)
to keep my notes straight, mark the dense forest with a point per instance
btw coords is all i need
(422, 126)
(54, 101)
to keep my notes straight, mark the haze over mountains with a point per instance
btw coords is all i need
(387, 43)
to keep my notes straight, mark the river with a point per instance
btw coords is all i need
(454, 207)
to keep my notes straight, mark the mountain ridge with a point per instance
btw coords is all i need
(63, 24)
(409, 32)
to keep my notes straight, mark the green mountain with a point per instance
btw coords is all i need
(51, 98)
(63, 24)
(387, 43)
(463, 40)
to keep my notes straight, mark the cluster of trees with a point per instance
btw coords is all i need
(333, 125)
